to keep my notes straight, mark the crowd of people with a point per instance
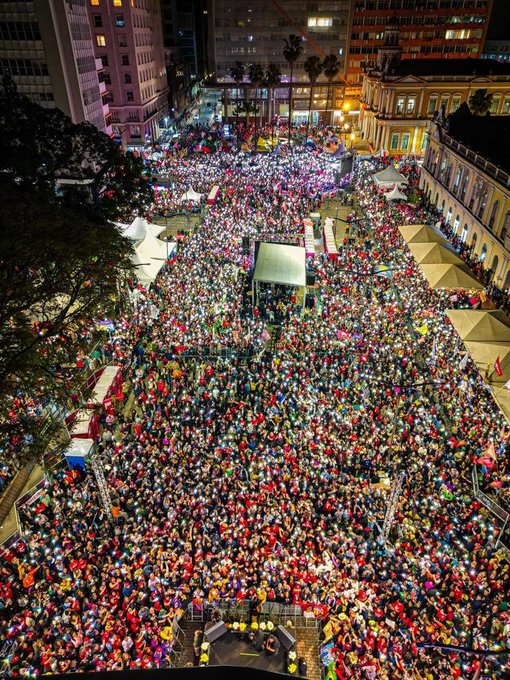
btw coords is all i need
(251, 475)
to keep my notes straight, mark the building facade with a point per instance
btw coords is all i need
(430, 29)
(254, 32)
(46, 47)
(399, 97)
(472, 191)
(127, 36)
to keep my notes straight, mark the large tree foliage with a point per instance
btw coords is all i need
(40, 146)
(61, 259)
(480, 102)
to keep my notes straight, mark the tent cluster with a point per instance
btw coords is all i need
(150, 253)
(437, 260)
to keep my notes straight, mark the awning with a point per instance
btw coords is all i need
(282, 264)
(434, 253)
(450, 276)
(421, 233)
(476, 325)
(388, 176)
(395, 195)
(484, 354)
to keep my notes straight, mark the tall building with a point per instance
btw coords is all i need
(127, 36)
(430, 29)
(497, 44)
(399, 97)
(253, 31)
(46, 47)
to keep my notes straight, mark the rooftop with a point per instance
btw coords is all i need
(451, 67)
(489, 136)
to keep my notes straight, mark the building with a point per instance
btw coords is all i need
(46, 47)
(127, 36)
(430, 29)
(466, 174)
(497, 44)
(254, 32)
(400, 96)
(185, 41)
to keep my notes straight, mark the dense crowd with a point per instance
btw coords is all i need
(259, 476)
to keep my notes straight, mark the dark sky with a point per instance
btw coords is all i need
(499, 27)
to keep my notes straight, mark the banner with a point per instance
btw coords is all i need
(320, 611)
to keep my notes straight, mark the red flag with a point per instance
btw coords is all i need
(497, 367)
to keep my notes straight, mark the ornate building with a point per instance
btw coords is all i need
(466, 174)
(399, 96)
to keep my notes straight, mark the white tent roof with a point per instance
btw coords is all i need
(389, 175)
(395, 195)
(191, 195)
(136, 230)
(150, 255)
(281, 263)
(79, 447)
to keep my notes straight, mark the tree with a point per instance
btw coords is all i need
(40, 146)
(331, 68)
(272, 79)
(313, 69)
(292, 50)
(61, 259)
(256, 76)
(237, 75)
(480, 102)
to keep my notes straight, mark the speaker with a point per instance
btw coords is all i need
(287, 640)
(310, 278)
(215, 631)
(310, 302)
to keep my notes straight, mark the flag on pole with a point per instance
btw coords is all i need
(497, 367)
(434, 352)
(463, 362)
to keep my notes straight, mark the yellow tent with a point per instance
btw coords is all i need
(484, 354)
(434, 253)
(450, 276)
(474, 325)
(421, 233)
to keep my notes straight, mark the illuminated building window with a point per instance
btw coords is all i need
(101, 40)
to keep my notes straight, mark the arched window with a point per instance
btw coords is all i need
(437, 199)
(442, 207)
(456, 224)
(507, 280)
(494, 212)
(483, 253)
(482, 204)
(464, 233)
(449, 215)
(494, 265)
(475, 239)
(456, 181)
(506, 226)
(464, 188)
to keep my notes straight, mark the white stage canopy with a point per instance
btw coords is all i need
(282, 264)
(389, 176)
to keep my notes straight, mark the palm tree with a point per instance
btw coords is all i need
(256, 76)
(313, 67)
(237, 75)
(331, 68)
(480, 102)
(292, 50)
(272, 79)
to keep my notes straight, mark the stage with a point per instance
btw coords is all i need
(231, 650)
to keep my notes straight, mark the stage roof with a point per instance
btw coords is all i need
(281, 263)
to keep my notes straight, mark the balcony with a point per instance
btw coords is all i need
(102, 87)
(486, 166)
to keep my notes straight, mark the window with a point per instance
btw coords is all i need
(117, 3)
(320, 22)
(101, 40)
(130, 97)
(119, 21)
(411, 104)
(395, 140)
(406, 137)
(432, 104)
(400, 104)
(506, 105)
(104, 59)
(124, 60)
(483, 253)
(495, 103)
(94, 3)
(444, 101)
(456, 224)
(105, 77)
(122, 40)
(340, 50)
(455, 102)
(97, 20)
(494, 213)
(127, 78)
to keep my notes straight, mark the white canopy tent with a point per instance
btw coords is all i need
(389, 176)
(191, 195)
(139, 227)
(281, 264)
(395, 195)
